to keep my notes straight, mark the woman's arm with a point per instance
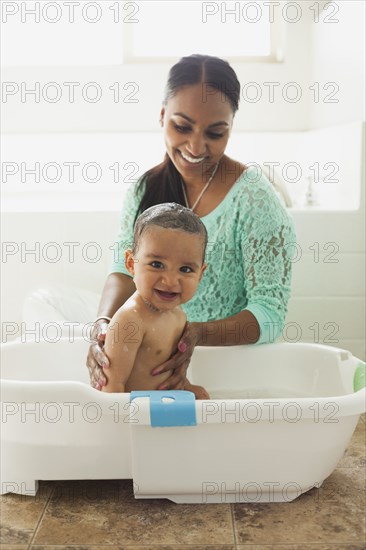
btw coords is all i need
(239, 329)
(267, 255)
(117, 289)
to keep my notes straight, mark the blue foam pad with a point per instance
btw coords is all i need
(179, 412)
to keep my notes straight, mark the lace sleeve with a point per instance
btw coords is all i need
(131, 201)
(267, 244)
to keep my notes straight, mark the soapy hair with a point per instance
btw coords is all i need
(162, 183)
(169, 216)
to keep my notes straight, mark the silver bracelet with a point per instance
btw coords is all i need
(102, 317)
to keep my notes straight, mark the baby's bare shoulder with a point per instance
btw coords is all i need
(128, 318)
(127, 314)
(181, 316)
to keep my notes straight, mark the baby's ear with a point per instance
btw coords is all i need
(203, 269)
(129, 261)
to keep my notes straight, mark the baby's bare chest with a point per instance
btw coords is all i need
(160, 341)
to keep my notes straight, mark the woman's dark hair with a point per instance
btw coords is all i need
(169, 216)
(162, 183)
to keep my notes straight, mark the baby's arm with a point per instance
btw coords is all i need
(122, 342)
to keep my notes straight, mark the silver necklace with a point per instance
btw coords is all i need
(203, 190)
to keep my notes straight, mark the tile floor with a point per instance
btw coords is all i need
(103, 515)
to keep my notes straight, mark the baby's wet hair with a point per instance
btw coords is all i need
(169, 215)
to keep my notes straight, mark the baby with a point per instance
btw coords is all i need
(167, 263)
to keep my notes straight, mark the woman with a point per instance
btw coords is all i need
(242, 298)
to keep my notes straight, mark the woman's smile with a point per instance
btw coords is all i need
(192, 160)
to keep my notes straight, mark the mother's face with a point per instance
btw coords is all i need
(197, 124)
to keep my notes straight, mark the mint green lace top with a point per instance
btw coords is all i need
(250, 241)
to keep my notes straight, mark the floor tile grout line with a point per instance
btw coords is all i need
(204, 546)
(136, 545)
(233, 524)
(41, 517)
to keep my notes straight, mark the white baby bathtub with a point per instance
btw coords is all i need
(280, 419)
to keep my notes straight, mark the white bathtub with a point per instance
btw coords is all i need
(280, 419)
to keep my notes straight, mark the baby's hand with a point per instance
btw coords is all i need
(96, 359)
(198, 391)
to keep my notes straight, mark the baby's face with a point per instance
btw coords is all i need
(167, 267)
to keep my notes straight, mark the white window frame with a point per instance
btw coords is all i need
(277, 41)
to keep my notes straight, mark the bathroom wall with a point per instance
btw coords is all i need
(328, 299)
(338, 55)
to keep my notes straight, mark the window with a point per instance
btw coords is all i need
(241, 31)
(105, 33)
(55, 34)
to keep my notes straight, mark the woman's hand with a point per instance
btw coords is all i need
(179, 361)
(96, 359)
